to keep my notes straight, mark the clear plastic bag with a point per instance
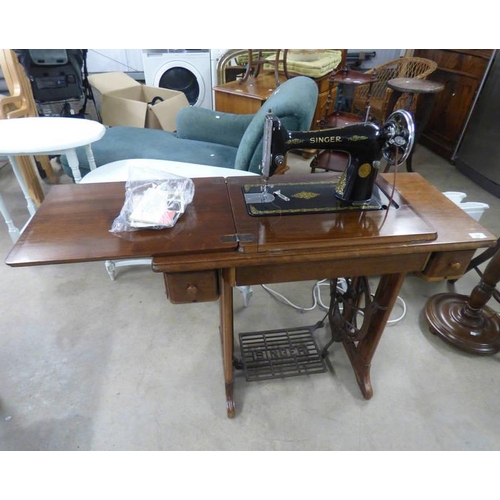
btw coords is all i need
(154, 199)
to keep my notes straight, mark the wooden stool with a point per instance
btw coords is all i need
(332, 160)
(254, 65)
(413, 87)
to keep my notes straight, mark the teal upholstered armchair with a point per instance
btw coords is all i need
(209, 137)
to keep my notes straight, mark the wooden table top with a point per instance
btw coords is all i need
(351, 77)
(47, 134)
(350, 228)
(72, 225)
(415, 85)
(254, 88)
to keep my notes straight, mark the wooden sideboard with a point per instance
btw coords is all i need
(462, 72)
(248, 97)
(479, 148)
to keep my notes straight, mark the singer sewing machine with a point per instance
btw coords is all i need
(221, 242)
(365, 144)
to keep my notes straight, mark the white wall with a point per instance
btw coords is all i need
(130, 60)
(102, 60)
(383, 56)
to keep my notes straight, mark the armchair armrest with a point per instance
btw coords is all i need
(205, 125)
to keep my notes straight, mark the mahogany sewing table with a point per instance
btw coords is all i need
(216, 245)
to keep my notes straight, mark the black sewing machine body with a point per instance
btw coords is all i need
(364, 144)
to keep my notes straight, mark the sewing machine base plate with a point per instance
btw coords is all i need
(294, 198)
(282, 353)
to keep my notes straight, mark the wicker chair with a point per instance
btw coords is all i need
(404, 67)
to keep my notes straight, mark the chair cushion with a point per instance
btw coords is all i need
(294, 102)
(122, 143)
(325, 63)
(201, 124)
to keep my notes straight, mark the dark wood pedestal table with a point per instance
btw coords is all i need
(413, 87)
(467, 322)
(218, 244)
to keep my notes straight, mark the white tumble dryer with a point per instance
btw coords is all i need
(185, 70)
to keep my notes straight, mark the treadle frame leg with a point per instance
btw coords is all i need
(361, 353)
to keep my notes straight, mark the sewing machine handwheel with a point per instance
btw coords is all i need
(400, 131)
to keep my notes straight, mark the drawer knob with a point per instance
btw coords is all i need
(192, 290)
(455, 266)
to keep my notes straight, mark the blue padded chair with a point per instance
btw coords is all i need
(209, 137)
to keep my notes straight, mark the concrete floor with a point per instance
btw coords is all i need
(91, 364)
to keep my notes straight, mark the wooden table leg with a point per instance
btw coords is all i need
(46, 166)
(20, 180)
(31, 180)
(361, 354)
(227, 338)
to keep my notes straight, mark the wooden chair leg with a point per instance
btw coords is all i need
(47, 168)
(31, 179)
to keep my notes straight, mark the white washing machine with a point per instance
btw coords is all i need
(215, 56)
(185, 70)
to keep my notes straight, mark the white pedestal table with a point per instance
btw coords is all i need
(45, 136)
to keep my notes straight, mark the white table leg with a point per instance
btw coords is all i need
(247, 293)
(111, 265)
(90, 157)
(74, 164)
(13, 231)
(20, 180)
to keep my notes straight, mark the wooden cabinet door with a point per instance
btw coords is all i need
(450, 112)
(461, 71)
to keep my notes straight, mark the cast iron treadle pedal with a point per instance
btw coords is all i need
(280, 353)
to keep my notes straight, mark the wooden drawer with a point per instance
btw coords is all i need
(249, 97)
(196, 286)
(447, 265)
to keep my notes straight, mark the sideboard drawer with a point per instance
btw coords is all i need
(447, 265)
(196, 286)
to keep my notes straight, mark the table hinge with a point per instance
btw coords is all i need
(237, 238)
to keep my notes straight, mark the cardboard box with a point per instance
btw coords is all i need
(124, 101)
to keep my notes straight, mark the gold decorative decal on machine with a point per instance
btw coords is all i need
(290, 198)
(340, 188)
(294, 141)
(364, 170)
(253, 210)
(305, 195)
